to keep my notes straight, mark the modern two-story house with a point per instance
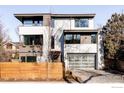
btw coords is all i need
(69, 38)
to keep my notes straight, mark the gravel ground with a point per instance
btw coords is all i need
(99, 76)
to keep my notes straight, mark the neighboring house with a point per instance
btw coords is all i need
(70, 38)
(12, 48)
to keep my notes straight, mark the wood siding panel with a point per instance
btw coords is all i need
(85, 39)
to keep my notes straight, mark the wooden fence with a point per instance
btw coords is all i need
(31, 71)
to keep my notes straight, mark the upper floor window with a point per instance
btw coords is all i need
(33, 39)
(81, 38)
(28, 22)
(72, 38)
(93, 38)
(81, 22)
(33, 21)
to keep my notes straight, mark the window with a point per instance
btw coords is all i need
(81, 22)
(68, 38)
(9, 46)
(28, 59)
(33, 39)
(93, 38)
(77, 38)
(31, 58)
(72, 38)
(38, 23)
(33, 21)
(23, 59)
(81, 38)
(28, 22)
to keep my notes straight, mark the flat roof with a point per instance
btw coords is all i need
(30, 14)
(19, 16)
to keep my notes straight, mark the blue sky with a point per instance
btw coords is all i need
(103, 13)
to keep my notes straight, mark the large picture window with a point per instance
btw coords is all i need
(34, 21)
(33, 39)
(72, 38)
(81, 22)
(80, 38)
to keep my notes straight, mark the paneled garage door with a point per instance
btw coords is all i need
(81, 61)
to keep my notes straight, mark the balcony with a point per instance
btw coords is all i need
(33, 30)
(30, 50)
(24, 48)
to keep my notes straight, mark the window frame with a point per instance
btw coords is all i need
(28, 39)
(78, 22)
(34, 21)
(30, 22)
(73, 40)
(92, 38)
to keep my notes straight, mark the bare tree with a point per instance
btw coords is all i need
(56, 37)
(4, 56)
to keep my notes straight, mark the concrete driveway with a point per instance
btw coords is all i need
(97, 76)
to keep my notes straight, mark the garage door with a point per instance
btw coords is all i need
(81, 61)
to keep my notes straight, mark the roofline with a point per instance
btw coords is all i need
(74, 15)
(14, 43)
(9, 42)
(80, 30)
(54, 15)
(30, 14)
